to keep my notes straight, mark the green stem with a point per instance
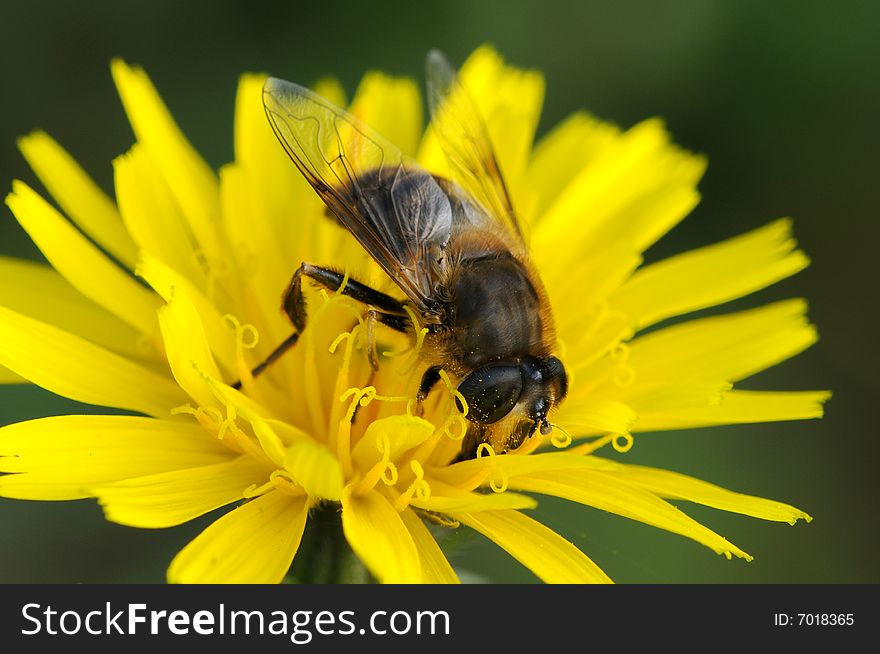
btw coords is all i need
(324, 556)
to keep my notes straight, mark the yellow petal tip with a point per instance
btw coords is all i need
(28, 140)
(17, 187)
(118, 64)
(806, 517)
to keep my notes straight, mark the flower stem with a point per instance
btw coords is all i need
(325, 556)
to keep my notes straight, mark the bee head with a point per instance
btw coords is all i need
(524, 390)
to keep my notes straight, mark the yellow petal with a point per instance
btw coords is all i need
(270, 444)
(513, 465)
(38, 291)
(84, 266)
(602, 491)
(257, 148)
(736, 407)
(509, 100)
(254, 544)
(9, 377)
(187, 349)
(165, 281)
(558, 158)
(271, 447)
(152, 216)
(315, 468)
(552, 558)
(596, 416)
(632, 189)
(330, 88)
(435, 566)
(475, 502)
(667, 198)
(673, 397)
(259, 192)
(673, 485)
(64, 457)
(402, 432)
(256, 145)
(258, 195)
(392, 106)
(583, 348)
(730, 347)
(579, 309)
(191, 180)
(377, 534)
(72, 367)
(80, 198)
(710, 275)
(172, 498)
(266, 243)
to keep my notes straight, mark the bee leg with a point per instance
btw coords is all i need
(429, 379)
(286, 344)
(384, 308)
(294, 304)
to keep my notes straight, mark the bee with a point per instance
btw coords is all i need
(453, 246)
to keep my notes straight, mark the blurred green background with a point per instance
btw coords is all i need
(783, 97)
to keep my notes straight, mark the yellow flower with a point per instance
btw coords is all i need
(156, 303)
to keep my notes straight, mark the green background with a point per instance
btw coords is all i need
(782, 96)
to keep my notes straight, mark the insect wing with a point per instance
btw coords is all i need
(465, 142)
(394, 208)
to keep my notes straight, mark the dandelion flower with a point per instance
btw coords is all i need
(157, 302)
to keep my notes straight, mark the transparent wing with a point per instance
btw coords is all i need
(394, 208)
(465, 142)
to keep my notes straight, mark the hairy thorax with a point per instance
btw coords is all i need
(494, 309)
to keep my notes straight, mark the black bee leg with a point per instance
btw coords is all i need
(294, 304)
(288, 343)
(390, 312)
(429, 379)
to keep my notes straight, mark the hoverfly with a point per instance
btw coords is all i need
(453, 246)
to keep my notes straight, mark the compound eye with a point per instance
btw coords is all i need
(491, 392)
(555, 372)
